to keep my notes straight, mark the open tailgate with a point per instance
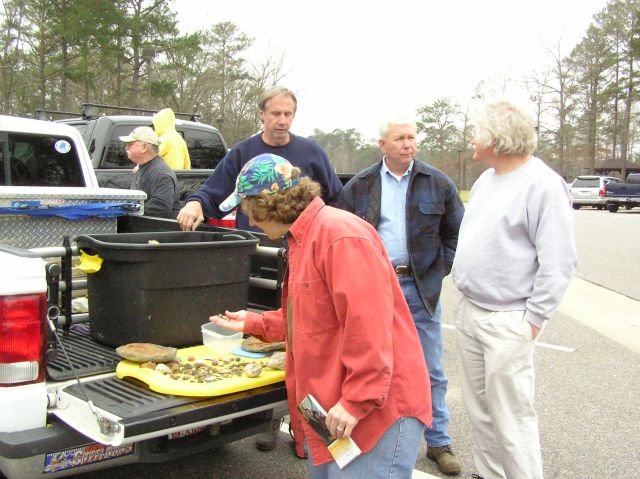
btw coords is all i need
(120, 411)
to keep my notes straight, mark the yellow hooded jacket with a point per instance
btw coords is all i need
(173, 148)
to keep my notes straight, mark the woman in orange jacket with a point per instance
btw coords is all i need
(351, 341)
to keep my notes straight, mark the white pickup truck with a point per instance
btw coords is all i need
(63, 410)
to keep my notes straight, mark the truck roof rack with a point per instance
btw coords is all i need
(41, 113)
(88, 111)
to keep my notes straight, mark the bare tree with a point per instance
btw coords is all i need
(559, 86)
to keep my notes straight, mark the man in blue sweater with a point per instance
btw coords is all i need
(277, 109)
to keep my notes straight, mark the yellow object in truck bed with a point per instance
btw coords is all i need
(163, 383)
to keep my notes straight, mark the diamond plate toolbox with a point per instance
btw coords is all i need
(26, 231)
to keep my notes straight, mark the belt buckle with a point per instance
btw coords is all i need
(402, 270)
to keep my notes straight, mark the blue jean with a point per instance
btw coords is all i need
(429, 331)
(394, 456)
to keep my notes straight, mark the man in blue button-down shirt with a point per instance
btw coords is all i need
(417, 212)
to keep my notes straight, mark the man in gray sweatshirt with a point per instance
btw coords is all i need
(515, 258)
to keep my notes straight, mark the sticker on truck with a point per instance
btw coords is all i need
(81, 456)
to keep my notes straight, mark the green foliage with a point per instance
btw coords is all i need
(437, 122)
(347, 149)
(58, 54)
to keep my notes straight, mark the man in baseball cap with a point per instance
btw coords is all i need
(152, 175)
(142, 133)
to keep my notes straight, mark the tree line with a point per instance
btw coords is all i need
(59, 54)
(585, 102)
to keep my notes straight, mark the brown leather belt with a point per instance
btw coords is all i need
(402, 270)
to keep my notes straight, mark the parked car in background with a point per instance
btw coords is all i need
(625, 194)
(590, 190)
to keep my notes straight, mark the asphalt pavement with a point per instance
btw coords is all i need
(609, 249)
(587, 368)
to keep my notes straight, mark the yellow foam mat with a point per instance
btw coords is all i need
(164, 384)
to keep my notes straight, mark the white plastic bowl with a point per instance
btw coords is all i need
(218, 339)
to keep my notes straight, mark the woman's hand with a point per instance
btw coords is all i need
(340, 422)
(231, 320)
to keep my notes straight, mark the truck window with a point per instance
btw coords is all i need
(40, 160)
(116, 154)
(633, 178)
(206, 148)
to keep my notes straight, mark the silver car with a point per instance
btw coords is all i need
(590, 190)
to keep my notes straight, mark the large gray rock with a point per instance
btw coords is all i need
(145, 352)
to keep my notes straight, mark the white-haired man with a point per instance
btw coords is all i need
(515, 258)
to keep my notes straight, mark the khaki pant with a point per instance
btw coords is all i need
(495, 350)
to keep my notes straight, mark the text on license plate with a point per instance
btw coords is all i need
(81, 456)
(186, 432)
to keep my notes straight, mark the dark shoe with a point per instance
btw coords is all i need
(266, 441)
(446, 460)
(295, 452)
(475, 476)
(293, 446)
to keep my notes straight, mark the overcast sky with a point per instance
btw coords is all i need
(352, 62)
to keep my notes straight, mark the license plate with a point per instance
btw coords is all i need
(186, 432)
(82, 456)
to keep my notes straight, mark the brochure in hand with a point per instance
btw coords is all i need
(343, 450)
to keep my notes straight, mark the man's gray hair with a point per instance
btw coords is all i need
(269, 93)
(505, 127)
(400, 119)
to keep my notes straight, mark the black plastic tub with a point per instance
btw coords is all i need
(160, 287)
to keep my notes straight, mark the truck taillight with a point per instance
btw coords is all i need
(22, 338)
(603, 191)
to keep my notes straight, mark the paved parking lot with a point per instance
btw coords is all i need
(609, 249)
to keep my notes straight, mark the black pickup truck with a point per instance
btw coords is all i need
(113, 169)
(625, 194)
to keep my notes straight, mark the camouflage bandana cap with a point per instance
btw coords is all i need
(266, 173)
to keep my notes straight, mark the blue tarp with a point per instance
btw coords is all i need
(71, 212)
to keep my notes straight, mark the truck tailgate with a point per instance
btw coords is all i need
(623, 190)
(127, 412)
